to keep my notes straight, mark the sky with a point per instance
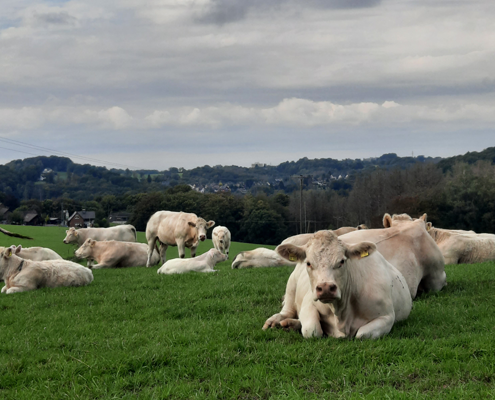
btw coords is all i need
(154, 84)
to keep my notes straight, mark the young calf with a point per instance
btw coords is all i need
(366, 292)
(22, 275)
(35, 253)
(221, 239)
(259, 258)
(203, 263)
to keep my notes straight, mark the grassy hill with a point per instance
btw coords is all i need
(135, 334)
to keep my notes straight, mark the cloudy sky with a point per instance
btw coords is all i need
(185, 83)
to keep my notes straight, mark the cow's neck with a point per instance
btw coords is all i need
(12, 267)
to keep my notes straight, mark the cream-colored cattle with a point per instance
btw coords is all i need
(405, 244)
(122, 233)
(203, 263)
(21, 275)
(302, 239)
(179, 229)
(221, 239)
(35, 253)
(114, 254)
(464, 247)
(259, 258)
(341, 290)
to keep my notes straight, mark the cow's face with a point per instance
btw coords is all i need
(326, 258)
(5, 256)
(86, 249)
(202, 226)
(217, 256)
(71, 236)
(220, 235)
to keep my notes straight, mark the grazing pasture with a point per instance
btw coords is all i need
(135, 334)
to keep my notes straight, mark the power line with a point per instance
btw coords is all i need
(64, 153)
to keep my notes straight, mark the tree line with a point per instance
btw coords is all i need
(461, 196)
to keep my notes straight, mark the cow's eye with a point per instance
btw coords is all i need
(340, 263)
(308, 264)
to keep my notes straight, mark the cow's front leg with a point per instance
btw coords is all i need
(181, 247)
(310, 318)
(376, 328)
(17, 289)
(4, 289)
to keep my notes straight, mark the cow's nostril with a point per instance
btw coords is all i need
(332, 288)
(319, 289)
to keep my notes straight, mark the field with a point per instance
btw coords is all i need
(133, 334)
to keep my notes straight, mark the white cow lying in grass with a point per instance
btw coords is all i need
(203, 263)
(115, 254)
(22, 275)
(35, 253)
(260, 258)
(221, 239)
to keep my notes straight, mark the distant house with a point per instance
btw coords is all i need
(119, 218)
(4, 213)
(81, 219)
(32, 218)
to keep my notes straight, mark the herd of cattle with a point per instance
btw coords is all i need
(351, 282)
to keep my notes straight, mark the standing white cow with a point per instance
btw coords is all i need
(21, 275)
(221, 239)
(203, 263)
(122, 233)
(173, 228)
(114, 254)
(353, 283)
(35, 253)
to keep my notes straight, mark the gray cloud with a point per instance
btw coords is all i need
(54, 18)
(227, 11)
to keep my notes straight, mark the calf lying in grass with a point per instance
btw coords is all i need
(203, 263)
(35, 253)
(22, 275)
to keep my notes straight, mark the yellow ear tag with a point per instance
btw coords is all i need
(364, 253)
(92, 244)
(292, 257)
(428, 228)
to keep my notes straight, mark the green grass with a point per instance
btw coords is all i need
(135, 334)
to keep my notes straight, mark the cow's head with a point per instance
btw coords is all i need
(362, 226)
(202, 226)
(220, 234)
(217, 256)
(86, 249)
(400, 219)
(5, 256)
(326, 259)
(71, 236)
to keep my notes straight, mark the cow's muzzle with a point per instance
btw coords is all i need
(327, 292)
(202, 238)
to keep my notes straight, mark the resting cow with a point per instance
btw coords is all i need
(175, 229)
(203, 263)
(114, 254)
(340, 289)
(21, 275)
(35, 253)
(405, 244)
(221, 239)
(259, 258)
(122, 233)
(302, 239)
(464, 247)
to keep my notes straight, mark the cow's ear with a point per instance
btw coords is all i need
(215, 233)
(423, 217)
(92, 242)
(76, 233)
(360, 250)
(291, 252)
(18, 249)
(429, 225)
(8, 252)
(192, 224)
(387, 220)
(210, 224)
